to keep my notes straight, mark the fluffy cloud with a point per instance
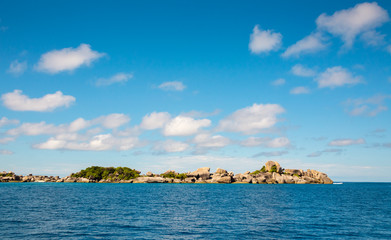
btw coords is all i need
(18, 102)
(206, 140)
(266, 142)
(264, 41)
(113, 120)
(337, 77)
(6, 152)
(67, 59)
(310, 44)
(117, 78)
(278, 82)
(155, 120)
(348, 24)
(171, 146)
(5, 121)
(172, 86)
(110, 121)
(102, 142)
(299, 90)
(6, 140)
(367, 107)
(302, 71)
(184, 126)
(17, 68)
(346, 142)
(251, 120)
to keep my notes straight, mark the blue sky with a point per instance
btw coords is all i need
(184, 84)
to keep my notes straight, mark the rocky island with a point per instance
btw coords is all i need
(270, 173)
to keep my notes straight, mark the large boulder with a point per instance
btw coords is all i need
(270, 164)
(202, 173)
(149, 180)
(225, 179)
(221, 171)
(298, 172)
(319, 177)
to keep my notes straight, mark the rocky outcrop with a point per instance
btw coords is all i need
(270, 164)
(272, 173)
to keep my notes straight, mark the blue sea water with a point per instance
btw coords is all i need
(194, 211)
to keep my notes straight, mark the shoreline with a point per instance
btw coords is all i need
(270, 173)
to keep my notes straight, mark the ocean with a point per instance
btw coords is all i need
(194, 211)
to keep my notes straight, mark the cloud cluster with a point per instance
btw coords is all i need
(337, 77)
(346, 142)
(18, 102)
(361, 20)
(5, 121)
(67, 59)
(367, 107)
(251, 120)
(184, 126)
(264, 41)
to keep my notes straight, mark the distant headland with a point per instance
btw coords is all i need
(270, 173)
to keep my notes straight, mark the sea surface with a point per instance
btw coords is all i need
(194, 211)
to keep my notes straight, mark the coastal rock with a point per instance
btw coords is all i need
(149, 174)
(221, 171)
(225, 179)
(298, 172)
(149, 180)
(270, 164)
(203, 173)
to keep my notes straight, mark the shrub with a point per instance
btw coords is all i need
(255, 172)
(273, 169)
(263, 169)
(98, 173)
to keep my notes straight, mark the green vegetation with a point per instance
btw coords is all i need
(273, 169)
(97, 173)
(297, 175)
(263, 169)
(173, 174)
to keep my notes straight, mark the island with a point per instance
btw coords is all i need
(270, 173)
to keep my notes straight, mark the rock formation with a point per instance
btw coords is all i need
(271, 173)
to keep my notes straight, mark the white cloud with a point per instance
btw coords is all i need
(172, 86)
(302, 71)
(319, 153)
(5, 121)
(310, 44)
(67, 59)
(171, 146)
(102, 142)
(155, 120)
(348, 24)
(6, 152)
(206, 140)
(373, 38)
(278, 82)
(17, 68)
(264, 41)
(6, 140)
(251, 120)
(113, 120)
(184, 126)
(367, 107)
(266, 142)
(110, 121)
(337, 77)
(346, 142)
(117, 78)
(18, 102)
(270, 154)
(299, 90)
